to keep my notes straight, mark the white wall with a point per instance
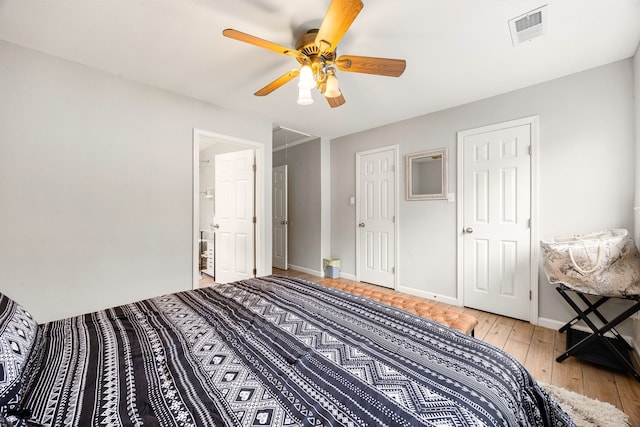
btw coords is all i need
(586, 172)
(207, 181)
(304, 198)
(96, 184)
(325, 190)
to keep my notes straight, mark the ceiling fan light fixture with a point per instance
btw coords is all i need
(304, 97)
(306, 78)
(315, 52)
(332, 90)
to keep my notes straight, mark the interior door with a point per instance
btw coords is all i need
(497, 220)
(376, 217)
(234, 216)
(280, 221)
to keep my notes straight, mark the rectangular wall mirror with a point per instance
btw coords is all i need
(426, 175)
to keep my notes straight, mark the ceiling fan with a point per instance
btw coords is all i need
(316, 52)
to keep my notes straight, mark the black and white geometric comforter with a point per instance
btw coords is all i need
(274, 352)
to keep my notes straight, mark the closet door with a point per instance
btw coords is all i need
(280, 218)
(376, 177)
(496, 220)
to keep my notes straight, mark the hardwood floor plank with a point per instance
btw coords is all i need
(600, 384)
(627, 386)
(522, 331)
(543, 334)
(485, 323)
(567, 374)
(517, 349)
(498, 334)
(540, 358)
(507, 321)
(632, 408)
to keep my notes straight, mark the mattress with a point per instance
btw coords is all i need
(272, 351)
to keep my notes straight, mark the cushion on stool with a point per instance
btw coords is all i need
(445, 315)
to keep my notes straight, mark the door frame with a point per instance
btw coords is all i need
(258, 205)
(533, 122)
(396, 206)
(286, 216)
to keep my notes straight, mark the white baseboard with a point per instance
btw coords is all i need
(550, 323)
(428, 295)
(347, 276)
(343, 275)
(306, 270)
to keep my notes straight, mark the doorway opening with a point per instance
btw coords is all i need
(206, 146)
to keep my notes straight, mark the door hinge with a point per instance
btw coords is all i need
(393, 219)
(255, 271)
(254, 168)
(393, 270)
(529, 223)
(530, 150)
(254, 220)
(530, 295)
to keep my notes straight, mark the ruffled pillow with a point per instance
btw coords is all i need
(18, 333)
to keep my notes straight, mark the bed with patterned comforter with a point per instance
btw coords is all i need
(271, 351)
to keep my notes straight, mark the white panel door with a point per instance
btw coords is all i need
(376, 227)
(280, 218)
(496, 221)
(234, 213)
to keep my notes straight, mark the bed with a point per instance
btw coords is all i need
(270, 351)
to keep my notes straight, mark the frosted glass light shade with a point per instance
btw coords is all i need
(306, 78)
(332, 90)
(304, 97)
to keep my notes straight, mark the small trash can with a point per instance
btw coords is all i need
(331, 267)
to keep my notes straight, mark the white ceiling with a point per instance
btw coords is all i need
(457, 51)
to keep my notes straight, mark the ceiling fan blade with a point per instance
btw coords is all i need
(337, 101)
(256, 41)
(280, 81)
(369, 65)
(336, 22)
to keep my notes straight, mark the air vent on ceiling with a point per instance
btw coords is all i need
(529, 26)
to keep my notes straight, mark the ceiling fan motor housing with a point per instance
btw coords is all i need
(307, 44)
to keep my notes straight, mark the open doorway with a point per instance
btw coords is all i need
(208, 238)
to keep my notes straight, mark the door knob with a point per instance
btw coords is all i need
(216, 226)
(361, 225)
(468, 230)
(284, 222)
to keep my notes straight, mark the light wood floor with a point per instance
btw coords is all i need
(537, 347)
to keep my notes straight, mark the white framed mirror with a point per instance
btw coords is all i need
(426, 175)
